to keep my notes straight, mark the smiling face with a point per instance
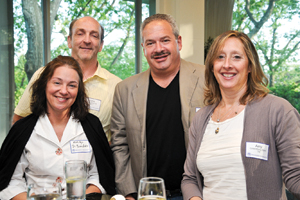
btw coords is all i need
(231, 67)
(85, 41)
(61, 90)
(160, 47)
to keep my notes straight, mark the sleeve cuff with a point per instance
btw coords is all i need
(96, 183)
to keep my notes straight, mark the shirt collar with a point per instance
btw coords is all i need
(100, 72)
(45, 129)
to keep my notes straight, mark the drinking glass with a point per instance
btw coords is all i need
(76, 175)
(152, 188)
(41, 192)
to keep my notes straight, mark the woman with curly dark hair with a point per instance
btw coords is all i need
(60, 128)
(79, 107)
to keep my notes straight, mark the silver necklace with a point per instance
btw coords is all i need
(219, 118)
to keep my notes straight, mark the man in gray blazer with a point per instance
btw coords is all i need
(152, 111)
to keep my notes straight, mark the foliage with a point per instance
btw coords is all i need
(19, 27)
(20, 79)
(287, 85)
(125, 66)
(266, 23)
(207, 45)
(290, 92)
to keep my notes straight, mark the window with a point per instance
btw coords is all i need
(116, 16)
(118, 54)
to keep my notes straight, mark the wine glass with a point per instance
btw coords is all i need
(41, 191)
(152, 188)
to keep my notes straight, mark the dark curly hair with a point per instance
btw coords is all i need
(38, 106)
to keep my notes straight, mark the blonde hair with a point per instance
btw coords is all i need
(257, 81)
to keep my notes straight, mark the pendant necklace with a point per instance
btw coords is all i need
(219, 118)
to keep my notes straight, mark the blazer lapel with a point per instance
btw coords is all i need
(187, 84)
(139, 95)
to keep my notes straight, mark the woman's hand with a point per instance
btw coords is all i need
(92, 188)
(129, 197)
(21, 196)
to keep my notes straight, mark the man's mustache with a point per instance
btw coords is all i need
(162, 53)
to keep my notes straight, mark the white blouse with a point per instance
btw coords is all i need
(44, 157)
(220, 162)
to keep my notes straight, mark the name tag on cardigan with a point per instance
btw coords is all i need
(95, 104)
(80, 146)
(257, 150)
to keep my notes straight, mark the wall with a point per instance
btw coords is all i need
(189, 15)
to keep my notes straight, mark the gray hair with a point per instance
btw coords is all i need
(158, 17)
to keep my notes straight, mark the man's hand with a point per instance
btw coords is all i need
(129, 197)
(195, 198)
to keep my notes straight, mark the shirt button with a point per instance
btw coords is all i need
(59, 180)
(58, 151)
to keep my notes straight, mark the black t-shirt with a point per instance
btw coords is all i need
(166, 151)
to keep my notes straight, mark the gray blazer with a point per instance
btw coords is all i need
(271, 121)
(128, 121)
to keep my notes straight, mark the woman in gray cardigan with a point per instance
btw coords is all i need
(245, 144)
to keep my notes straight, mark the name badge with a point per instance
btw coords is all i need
(197, 108)
(95, 104)
(80, 146)
(257, 150)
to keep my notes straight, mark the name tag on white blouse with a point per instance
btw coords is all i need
(80, 146)
(95, 104)
(257, 150)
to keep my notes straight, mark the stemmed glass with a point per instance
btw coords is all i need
(151, 188)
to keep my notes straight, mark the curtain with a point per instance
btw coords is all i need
(218, 17)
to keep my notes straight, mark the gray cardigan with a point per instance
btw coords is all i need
(270, 120)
